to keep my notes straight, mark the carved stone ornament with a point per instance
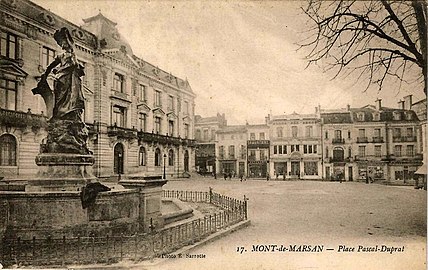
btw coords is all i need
(78, 34)
(48, 18)
(11, 3)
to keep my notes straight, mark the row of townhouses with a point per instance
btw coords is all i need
(370, 143)
(140, 117)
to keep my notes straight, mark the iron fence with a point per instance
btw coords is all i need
(137, 247)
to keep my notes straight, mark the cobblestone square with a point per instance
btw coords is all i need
(329, 214)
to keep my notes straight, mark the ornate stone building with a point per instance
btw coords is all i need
(371, 143)
(295, 146)
(140, 117)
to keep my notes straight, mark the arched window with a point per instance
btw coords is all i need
(142, 157)
(338, 154)
(7, 150)
(158, 157)
(171, 157)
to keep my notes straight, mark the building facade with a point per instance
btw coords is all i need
(371, 143)
(205, 135)
(139, 116)
(337, 144)
(295, 146)
(258, 151)
(231, 150)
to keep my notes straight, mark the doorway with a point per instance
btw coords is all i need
(118, 158)
(295, 168)
(186, 161)
(350, 176)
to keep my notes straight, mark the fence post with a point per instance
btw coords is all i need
(211, 194)
(136, 246)
(34, 249)
(63, 249)
(107, 246)
(78, 248)
(245, 207)
(93, 248)
(121, 246)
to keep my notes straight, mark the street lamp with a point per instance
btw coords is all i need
(164, 162)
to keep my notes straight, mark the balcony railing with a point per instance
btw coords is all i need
(119, 95)
(121, 132)
(258, 143)
(338, 140)
(362, 140)
(404, 139)
(164, 139)
(377, 140)
(17, 119)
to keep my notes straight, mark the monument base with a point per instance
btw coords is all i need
(62, 172)
(150, 195)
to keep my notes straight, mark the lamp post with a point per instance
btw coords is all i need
(164, 163)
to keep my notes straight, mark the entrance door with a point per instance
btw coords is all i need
(186, 161)
(295, 168)
(118, 159)
(241, 168)
(327, 173)
(350, 174)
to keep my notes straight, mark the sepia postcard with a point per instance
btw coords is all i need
(213, 134)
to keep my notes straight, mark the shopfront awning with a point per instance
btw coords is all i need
(422, 170)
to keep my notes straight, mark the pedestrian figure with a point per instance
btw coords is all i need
(241, 175)
(225, 176)
(230, 176)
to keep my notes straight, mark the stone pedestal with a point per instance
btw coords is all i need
(62, 172)
(150, 194)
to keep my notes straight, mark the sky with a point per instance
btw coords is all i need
(240, 57)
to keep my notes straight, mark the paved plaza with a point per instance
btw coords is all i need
(328, 214)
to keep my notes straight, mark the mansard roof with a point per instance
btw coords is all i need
(34, 16)
(386, 114)
(336, 118)
(35, 19)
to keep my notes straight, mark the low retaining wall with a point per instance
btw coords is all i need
(136, 247)
(57, 214)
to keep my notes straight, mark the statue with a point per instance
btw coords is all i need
(67, 133)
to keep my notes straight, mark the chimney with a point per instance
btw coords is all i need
(408, 102)
(348, 107)
(316, 110)
(379, 104)
(267, 119)
(401, 104)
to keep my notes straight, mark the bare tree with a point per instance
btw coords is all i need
(379, 40)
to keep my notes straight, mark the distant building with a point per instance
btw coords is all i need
(258, 151)
(337, 144)
(231, 150)
(373, 143)
(205, 135)
(295, 146)
(140, 116)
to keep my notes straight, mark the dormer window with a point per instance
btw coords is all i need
(409, 116)
(360, 116)
(376, 117)
(396, 115)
